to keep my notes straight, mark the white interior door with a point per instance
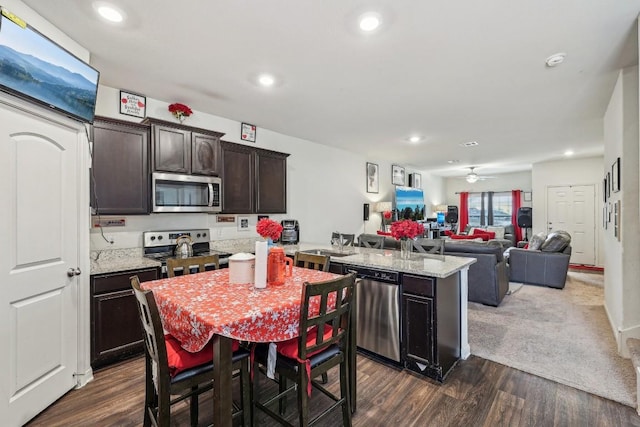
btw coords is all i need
(39, 235)
(572, 208)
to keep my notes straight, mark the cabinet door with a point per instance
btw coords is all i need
(115, 322)
(418, 332)
(271, 182)
(172, 149)
(237, 178)
(120, 168)
(204, 154)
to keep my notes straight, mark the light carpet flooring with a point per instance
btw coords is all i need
(559, 334)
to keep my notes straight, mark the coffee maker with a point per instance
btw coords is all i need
(290, 232)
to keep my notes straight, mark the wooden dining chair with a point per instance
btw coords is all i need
(347, 239)
(311, 261)
(429, 246)
(173, 371)
(322, 345)
(371, 241)
(186, 264)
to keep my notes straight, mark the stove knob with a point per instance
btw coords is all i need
(204, 234)
(159, 237)
(153, 238)
(198, 235)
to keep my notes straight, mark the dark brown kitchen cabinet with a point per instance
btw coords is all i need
(430, 324)
(271, 182)
(120, 167)
(184, 149)
(254, 180)
(115, 323)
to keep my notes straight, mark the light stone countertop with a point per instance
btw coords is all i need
(116, 260)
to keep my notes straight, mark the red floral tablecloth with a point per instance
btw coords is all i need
(197, 306)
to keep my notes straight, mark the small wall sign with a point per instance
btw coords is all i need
(132, 104)
(248, 132)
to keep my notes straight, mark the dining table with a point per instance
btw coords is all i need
(206, 309)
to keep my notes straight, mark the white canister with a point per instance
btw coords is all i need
(241, 268)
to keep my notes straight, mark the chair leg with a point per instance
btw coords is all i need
(193, 406)
(150, 398)
(344, 394)
(245, 391)
(303, 397)
(282, 402)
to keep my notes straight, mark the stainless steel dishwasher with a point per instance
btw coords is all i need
(378, 302)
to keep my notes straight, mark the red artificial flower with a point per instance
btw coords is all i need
(180, 110)
(387, 214)
(406, 229)
(269, 228)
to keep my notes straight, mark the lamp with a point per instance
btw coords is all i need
(440, 208)
(383, 207)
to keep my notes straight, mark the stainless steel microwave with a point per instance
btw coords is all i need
(186, 193)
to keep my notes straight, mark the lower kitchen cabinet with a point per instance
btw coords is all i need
(115, 324)
(430, 324)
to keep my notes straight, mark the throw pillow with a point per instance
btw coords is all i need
(556, 241)
(498, 231)
(537, 240)
(485, 235)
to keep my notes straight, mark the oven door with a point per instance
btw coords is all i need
(186, 193)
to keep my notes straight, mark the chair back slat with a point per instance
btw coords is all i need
(311, 261)
(347, 239)
(429, 246)
(187, 263)
(371, 241)
(337, 316)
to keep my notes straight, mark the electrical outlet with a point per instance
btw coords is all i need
(109, 222)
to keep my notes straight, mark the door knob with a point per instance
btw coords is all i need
(74, 272)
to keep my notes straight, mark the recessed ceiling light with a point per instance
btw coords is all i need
(415, 139)
(109, 12)
(453, 161)
(369, 21)
(568, 153)
(555, 60)
(469, 144)
(266, 80)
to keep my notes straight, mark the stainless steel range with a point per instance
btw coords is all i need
(160, 245)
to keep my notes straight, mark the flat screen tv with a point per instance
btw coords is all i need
(409, 203)
(39, 70)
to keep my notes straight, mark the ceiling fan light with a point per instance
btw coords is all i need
(472, 177)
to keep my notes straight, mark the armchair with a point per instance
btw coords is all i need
(539, 268)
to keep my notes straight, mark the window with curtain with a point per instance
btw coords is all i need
(490, 208)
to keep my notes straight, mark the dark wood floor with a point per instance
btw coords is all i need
(477, 392)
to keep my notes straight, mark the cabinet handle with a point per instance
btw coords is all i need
(210, 185)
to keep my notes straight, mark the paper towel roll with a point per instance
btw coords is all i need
(260, 280)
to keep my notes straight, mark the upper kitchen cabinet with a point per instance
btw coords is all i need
(253, 180)
(184, 149)
(120, 171)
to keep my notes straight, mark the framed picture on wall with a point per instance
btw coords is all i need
(415, 180)
(397, 175)
(615, 176)
(604, 189)
(373, 178)
(608, 186)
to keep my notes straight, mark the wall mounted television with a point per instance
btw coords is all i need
(39, 70)
(409, 203)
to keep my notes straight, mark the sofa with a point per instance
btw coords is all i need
(488, 276)
(508, 240)
(544, 264)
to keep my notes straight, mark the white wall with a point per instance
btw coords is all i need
(561, 173)
(326, 186)
(622, 294)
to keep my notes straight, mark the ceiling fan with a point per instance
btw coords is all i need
(474, 177)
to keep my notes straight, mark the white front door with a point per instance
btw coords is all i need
(39, 237)
(572, 209)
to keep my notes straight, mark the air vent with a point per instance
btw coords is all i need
(469, 144)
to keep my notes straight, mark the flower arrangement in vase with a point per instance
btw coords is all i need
(269, 229)
(405, 231)
(180, 111)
